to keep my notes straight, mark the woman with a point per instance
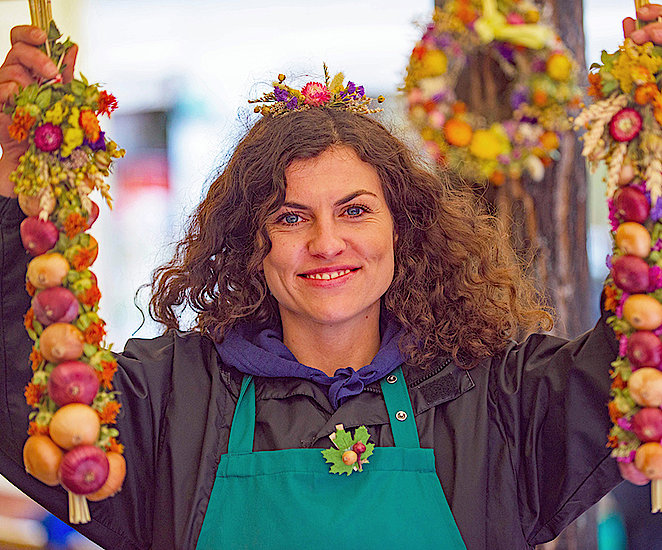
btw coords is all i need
(323, 259)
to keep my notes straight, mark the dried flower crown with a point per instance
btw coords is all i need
(332, 94)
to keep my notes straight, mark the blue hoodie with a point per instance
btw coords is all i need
(262, 353)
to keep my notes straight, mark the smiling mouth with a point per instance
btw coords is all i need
(328, 275)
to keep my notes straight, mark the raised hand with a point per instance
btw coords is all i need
(25, 64)
(652, 32)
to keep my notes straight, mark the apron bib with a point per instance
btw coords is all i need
(288, 500)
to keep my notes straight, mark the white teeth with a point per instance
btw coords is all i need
(328, 276)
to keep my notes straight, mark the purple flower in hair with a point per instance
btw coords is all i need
(360, 92)
(292, 103)
(280, 94)
(351, 87)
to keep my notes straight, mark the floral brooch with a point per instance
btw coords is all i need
(348, 454)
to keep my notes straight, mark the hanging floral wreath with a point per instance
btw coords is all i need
(624, 129)
(542, 89)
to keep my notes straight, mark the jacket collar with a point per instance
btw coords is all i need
(443, 381)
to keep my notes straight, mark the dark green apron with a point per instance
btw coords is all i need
(288, 500)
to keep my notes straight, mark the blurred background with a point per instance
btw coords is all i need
(182, 73)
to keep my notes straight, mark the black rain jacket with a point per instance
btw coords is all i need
(519, 440)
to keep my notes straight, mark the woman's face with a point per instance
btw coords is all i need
(331, 256)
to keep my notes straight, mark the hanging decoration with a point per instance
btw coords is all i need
(540, 73)
(72, 439)
(623, 129)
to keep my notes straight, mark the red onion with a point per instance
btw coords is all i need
(647, 424)
(84, 469)
(630, 472)
(55, 305)
(73, 382)
(38, 236)
(644, 349)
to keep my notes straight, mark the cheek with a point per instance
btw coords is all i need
(280, 260)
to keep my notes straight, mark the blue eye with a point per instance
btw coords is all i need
(290, 218)
(355, 211)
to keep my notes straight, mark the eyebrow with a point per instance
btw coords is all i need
(340, 202)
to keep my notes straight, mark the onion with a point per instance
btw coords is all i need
(48, 270)
(61, 342)
(647, 424)
(38, 236)
(42, 459)
(644, 349)
(648, 460)
(31, 204)
(116, 475)
(84, 469)
(75, 424)
(630, 473)
(73, 382)
(645, 387)
(55, 305)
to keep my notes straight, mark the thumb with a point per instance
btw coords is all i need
(629, 25)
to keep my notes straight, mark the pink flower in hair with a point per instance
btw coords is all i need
(315, 93)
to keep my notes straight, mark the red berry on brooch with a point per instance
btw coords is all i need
(625, 125)
(358, 448)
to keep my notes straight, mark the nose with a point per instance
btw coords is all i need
(326, 240)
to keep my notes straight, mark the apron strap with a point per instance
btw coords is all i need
(243, 422)
(400, 412)
(396, 396)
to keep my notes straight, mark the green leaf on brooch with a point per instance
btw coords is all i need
(334, 457)
(343, 441)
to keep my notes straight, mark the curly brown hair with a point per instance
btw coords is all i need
(457, 287)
